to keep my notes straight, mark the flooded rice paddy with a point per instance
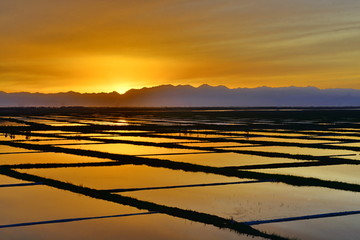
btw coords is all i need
(109, 173)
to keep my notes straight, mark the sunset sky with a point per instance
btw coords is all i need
(115, 45)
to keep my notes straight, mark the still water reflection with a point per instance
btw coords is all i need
(212, 185)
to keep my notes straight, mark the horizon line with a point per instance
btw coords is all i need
(180, 85)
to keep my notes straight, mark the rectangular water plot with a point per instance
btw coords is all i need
(63, 142)
(139, 138)
(225, 159)
(107, 123)
(5, 150)
(340, 173)
(217, 144)
(131, 149)
(129, 176)
(254, 201)
(291, 140)
(44, 157)
(296, 150)
(150, 227)
(347, 144)
(5, 180)
(330, 228)
(33, 204)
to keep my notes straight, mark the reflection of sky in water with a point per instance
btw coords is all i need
(8, 149)
(353, 144)
(45, 157)
(341, 173)
(130, 149)
(140, 139)
(216, 144)
(111, 123)
(128, 176)
(55, 141)
(39, 203)
(344, 227)
(9, 123)
(44, 203)
(254, 201)
(225, 159)
(8, 180)
(297, 150)
(149, 227)
(242, 202)
(292, 140)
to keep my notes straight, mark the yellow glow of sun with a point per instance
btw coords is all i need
(121, 73)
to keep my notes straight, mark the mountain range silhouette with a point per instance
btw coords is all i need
(189, 96)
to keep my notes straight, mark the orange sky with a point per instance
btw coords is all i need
(115, 45)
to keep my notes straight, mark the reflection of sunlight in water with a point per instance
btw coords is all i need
(128, 176)
(206, 192)
(130, 149)
(110, 123)
(8, 123)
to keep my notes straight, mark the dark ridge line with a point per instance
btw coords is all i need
(307, 217)
(228, 139)
(56, 119)
(341, 155)
(245, 121)
(39, 140)
(31, 124)
(139, 143)
(252, 135)
(303, 132)
(298, 156)
(112, 163)
(5, 153)
(287, 126)
(241, 146)
(307, 135)
(144, 205)
(61, 165)
(183, 128)
(104, 141)
(77, 144)
(285, 165)
(164, 154)
(345, 130)
(21, 184)
(249, 135)
(249, 152)
(188, 167)
(65, 220)
(174, 145)
(183, 186)
(53, 118)
(300, 145)
(261, 130)
(326, 127)
(267, 143)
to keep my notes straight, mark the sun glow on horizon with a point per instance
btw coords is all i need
(107, 73)
(105, 46)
